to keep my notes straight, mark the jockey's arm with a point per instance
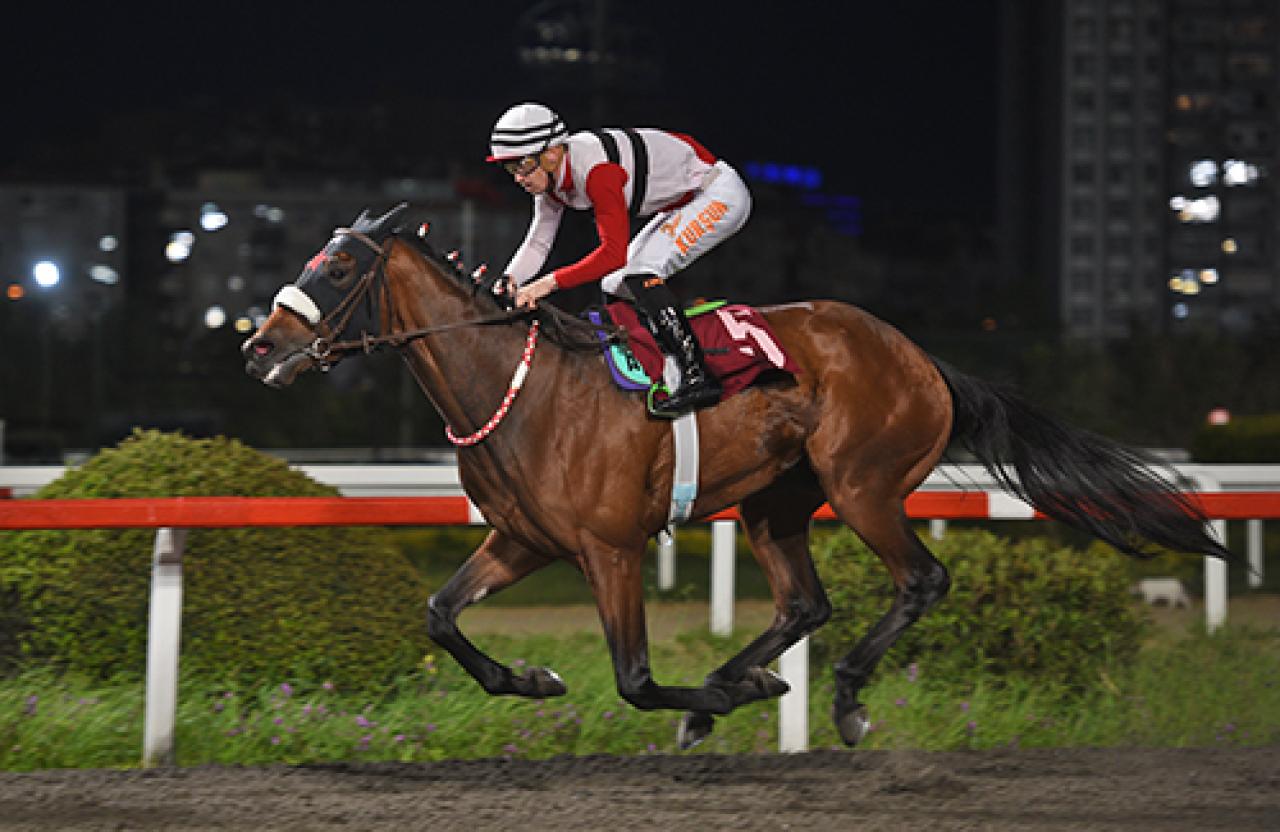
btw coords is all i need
(604, 188)
(535, 248)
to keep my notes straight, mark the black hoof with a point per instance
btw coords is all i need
(540, 682)
(695, 727)
(853, 725)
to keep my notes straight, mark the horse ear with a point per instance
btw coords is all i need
(362, 220)
(387, 223)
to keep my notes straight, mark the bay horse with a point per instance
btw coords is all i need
(575, 469)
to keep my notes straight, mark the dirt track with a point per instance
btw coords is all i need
(1235, 789)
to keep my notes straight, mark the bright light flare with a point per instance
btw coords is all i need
(46, 273)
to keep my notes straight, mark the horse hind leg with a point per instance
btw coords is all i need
(777, 522)
(921, 581)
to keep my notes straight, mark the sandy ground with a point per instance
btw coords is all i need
(1078, 789)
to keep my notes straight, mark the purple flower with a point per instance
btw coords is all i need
(398, 738)
(608, 714)
(518, 663)
(218, 706)
(275, 740)
(286, 689)
(306, 709)
(652, 748)
(362, 722)
(971, 727)
(32, 702)
(364, 741)
(511, 748)
(964, 706)
(278, 720)
(913, 671)
(327, 685)
(431, 727)
(900, 702)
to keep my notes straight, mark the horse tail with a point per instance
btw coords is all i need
(1089, 482)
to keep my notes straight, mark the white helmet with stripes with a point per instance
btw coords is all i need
(525, 130)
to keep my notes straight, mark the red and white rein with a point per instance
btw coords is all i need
(517, 381)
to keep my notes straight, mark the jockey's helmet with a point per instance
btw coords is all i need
(525, 130)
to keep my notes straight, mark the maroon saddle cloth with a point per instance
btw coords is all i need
(737, 340)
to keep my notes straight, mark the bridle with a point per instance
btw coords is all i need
(326, 352)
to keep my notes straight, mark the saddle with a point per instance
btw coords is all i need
(738, 343)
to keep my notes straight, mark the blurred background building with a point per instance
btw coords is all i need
(1138, 161)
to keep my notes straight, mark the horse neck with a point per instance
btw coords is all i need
(465, 371)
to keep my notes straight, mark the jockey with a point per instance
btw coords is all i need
(695, 202)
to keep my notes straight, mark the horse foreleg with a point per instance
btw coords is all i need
(776, 521)
(497, 563)
(921, 582)
(616, 579)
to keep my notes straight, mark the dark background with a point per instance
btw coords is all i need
(897, 104)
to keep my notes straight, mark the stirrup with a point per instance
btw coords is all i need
(685, 398)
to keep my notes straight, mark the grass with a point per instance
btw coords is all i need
(1193, 690)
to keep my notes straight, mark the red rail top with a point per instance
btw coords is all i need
(224, 512)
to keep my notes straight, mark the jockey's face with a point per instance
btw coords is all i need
(534, 173)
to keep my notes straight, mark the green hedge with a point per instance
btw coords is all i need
(259, 604)
(1243, 439)
(1029, 606)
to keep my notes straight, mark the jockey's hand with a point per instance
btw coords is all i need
(528, 295)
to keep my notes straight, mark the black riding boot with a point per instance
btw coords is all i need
(666, 320)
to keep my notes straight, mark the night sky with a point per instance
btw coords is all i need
(895, 101)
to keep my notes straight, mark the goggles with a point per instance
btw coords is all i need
(521, 167)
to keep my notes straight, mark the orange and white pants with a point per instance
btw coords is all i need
(673, 239)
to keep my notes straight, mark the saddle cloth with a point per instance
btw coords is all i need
(738, 343)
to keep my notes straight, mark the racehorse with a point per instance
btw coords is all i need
(574, 469)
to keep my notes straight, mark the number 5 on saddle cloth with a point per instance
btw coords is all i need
(737, 341)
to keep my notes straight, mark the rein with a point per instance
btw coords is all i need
(326, 352)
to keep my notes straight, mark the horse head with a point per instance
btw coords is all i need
(334, 295)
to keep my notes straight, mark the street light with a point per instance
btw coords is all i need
(46, 273)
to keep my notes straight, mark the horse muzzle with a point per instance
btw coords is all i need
(273, 365)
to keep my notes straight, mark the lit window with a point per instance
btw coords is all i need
(1202, 209)
(1236, 172)
(1203, 173)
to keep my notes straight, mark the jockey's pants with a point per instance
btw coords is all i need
(673, 239)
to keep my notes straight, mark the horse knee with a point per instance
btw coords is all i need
(926, 587)
(440, 621)
(805, 614)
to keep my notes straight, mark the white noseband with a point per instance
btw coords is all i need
(296, 300)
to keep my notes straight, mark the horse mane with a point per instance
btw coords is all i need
(567, 331)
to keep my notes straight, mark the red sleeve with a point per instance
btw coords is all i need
(604, 189)
(700, 151)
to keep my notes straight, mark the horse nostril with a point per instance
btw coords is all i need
(261, 348)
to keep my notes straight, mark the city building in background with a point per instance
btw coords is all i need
(1138, 153)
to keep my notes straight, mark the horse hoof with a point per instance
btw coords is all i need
(769, 684)
(542, 682)
(694, 728)
(854, 725)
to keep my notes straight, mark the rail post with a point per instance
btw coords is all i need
(722, 546)
(1256, 559)
(666, 561)
(793, 707)
(164, 635)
